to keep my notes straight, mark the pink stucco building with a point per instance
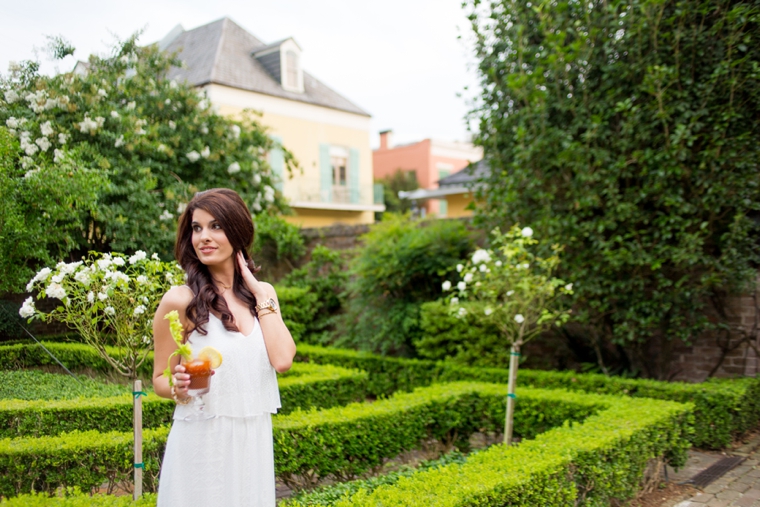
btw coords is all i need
(430, 159)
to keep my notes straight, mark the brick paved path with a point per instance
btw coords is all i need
(738, 488)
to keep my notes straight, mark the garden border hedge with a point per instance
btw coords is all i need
(724, 409)
(305, 386)
(347, 441)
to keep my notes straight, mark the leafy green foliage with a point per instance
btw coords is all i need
(299, 307)
(392, 185)
(627, 131)
(401, 265)
(40, 210)
(462, 340)
(78, 499)
(277, 240)
(154, 142)
(723, 409)
(325, 277)
(37, 385)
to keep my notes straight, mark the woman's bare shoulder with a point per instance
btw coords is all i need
(177, 298)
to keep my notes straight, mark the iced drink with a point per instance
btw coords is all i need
(200, 376)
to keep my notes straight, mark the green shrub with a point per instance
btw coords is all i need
(78, 500)
(590, 464)
(328, 495)
(346, 441)
(299, 306)
(723, 409)
(307, 386)
(37, 385)
(76, 356)
(401, 265)
(326, 277)
(465, 340)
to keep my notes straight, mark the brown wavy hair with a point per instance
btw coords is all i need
(232, 214)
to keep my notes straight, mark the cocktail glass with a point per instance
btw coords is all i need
(200, 382)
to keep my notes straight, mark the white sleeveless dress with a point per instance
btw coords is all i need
(227, 460)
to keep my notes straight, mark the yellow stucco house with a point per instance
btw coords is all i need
(328, 134)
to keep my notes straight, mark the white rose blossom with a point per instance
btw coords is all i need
(519, 318)
(481, 256)
(205, 152)
(102, 296)
(461, 312)
(142, 279)
(43, 143)
(461, 286)
(455, 301)
(11, 96)
(27, 309)
(527, 232)
(166, 215)
(483, 268)
(90, 297)
(109, 310)
(488, 311)
(233, 168)
(235, 131)
(138, 256)
(54, 290)
(119, 141)
(139, 310)
(468, 277)
(62, 138)
(459, 268)
(446, 286)
(510, 292)
(193, 156)
(46, 129)
(118, 261)
(131, 106)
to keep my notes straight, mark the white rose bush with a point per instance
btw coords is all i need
(109, 299)
(129, 145)
(514, 290)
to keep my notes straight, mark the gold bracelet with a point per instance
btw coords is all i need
(179, 401)
(267, 313)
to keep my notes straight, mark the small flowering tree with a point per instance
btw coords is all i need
(514, 290)
(109, 299)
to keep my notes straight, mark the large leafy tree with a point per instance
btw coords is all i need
(154, 141)
(628, 131)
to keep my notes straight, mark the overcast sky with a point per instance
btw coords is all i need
(400, 60)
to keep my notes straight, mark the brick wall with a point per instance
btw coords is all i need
(733, 352)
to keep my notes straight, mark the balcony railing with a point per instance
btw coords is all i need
(311, 194)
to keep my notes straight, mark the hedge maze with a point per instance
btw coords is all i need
(586, 439)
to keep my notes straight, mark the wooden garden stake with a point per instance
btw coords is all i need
(137, 423)
(514, 357)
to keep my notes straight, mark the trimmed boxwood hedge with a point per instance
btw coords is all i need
(347, 441)
(78, 500)
(39, 385)
(305, 386)
(723, 410)
(589, 464)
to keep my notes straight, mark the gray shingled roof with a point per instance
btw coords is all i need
(466, 176)
(220, 53)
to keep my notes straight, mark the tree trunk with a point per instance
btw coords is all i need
(137, 423)
(514, 358)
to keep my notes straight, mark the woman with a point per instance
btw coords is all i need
(226, 460)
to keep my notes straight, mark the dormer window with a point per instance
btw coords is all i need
(283, 61)
(291, 69)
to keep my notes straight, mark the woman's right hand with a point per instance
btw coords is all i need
(181, 381)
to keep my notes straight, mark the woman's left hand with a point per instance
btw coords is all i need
(256, 287)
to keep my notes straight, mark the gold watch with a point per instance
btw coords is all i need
(269, 304)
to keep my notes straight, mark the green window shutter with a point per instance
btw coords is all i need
(353, 175)
(325, 173)
(277, 161)
(443, 208)
(378, 193)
